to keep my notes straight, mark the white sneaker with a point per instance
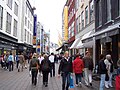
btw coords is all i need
(107, 86)
(80, 84)
(110, 85)
(76, 85)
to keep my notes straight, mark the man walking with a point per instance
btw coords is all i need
(52, 60)
(65, 68)
(88, 68)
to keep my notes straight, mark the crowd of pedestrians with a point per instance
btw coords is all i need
(81, 67)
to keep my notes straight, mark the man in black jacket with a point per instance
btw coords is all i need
(65, 68)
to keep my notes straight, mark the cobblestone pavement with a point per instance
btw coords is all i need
(22, 81)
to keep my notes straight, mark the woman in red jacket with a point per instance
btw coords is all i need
(78, 69)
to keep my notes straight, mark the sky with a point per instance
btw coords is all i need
(49, 13)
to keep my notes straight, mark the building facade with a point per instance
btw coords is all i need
(107, 32)
(15, 30)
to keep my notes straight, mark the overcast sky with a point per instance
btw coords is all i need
(49, 13)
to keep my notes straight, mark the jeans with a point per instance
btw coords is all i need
(11, 65)
(88, 76)
(45, 77)
(34, 76)
(78, 77)
(65, 77)
(52, 69)
(17, 63)
(102, 81)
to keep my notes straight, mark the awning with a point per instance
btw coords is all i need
(87, 35)
(109, 31)
(80, 44)
(74, 45)
(59, 48)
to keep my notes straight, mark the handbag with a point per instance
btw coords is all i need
(71, 82)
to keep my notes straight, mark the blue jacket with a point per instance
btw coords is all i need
(10, 58)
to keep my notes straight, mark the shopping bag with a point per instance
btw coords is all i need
(71, 82)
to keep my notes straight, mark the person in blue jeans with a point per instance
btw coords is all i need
(11, 62)
(65, 68)
(102, 71)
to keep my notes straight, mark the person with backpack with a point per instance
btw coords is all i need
(45, 67)
(78, 69)
(33, 68)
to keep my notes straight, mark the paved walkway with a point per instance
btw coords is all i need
(22, 81)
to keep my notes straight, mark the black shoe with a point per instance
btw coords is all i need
(46, 85)
(90, 84)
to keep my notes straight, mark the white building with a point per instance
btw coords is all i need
(16, 25)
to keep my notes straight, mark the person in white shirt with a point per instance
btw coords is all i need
(52, 60)
(40, 58)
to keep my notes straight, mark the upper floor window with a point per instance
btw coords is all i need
(8, 23)
(119, 7)
(108, 10)
(82, 19)
(1, 17)
(77, 25)
(86, 15)
(15, 28)
(26, 9)
(16, 9)
(9, 3)
(100, 13)
(91, 10)
(25, 21)
(25, 34)
(77, 4)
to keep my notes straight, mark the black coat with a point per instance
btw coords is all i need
(65, 66)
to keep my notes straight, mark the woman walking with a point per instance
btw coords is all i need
(45, 66)
(34, 65)
(78, 69)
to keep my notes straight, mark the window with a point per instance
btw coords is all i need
(26, 8)
(77, 25)
(100, 13)
(1, 17)
(28, 37)
(82, 19)
(119, 7)
(108, 10)
(25, 21)
(9, 3)
(92, 10)
(25, 35)
(28, 24)
(86, 15)
(15, 28)
(77, 4)
(8, 23)
(16, 9)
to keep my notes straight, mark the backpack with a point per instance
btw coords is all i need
(45, 66)
(33, 63)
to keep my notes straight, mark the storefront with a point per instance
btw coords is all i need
(7, 44)
(108, 42)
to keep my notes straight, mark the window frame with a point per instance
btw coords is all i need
(1, 17)
(8, 23)
(15, 28)
(16, 9)
(9, 3)
(86, 16)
